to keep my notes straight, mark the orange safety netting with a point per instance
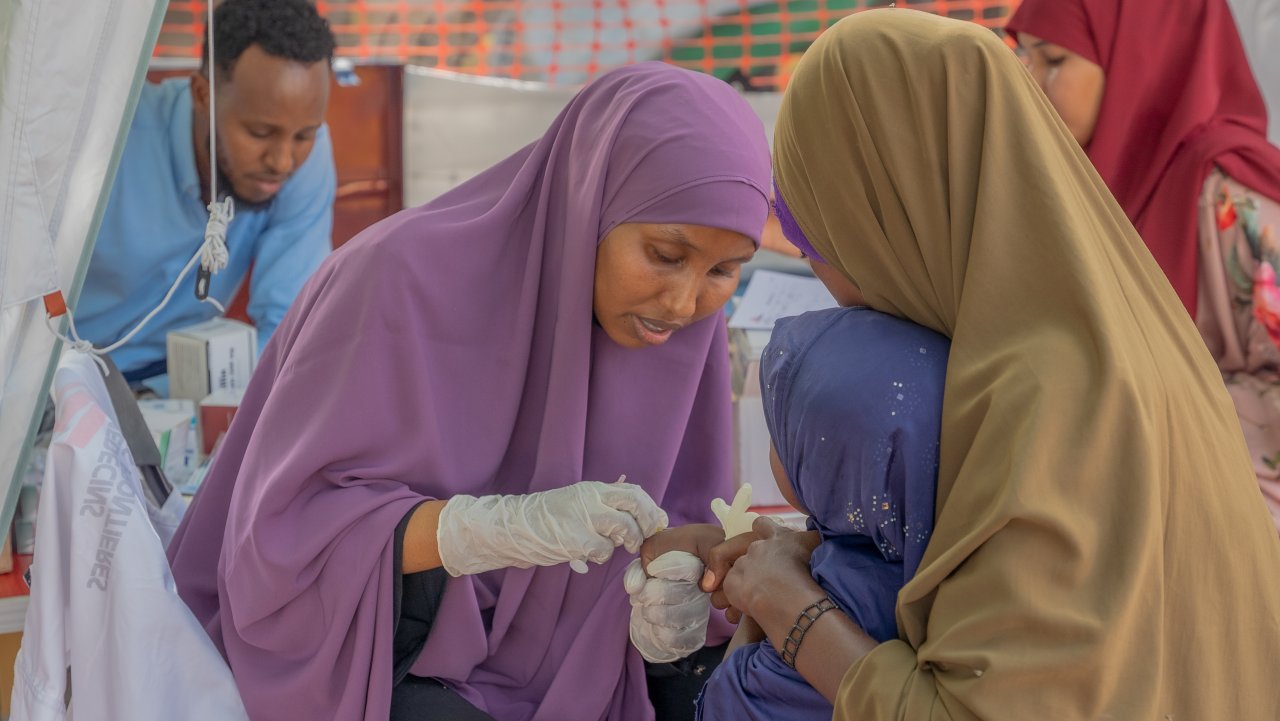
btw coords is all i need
(752, 42)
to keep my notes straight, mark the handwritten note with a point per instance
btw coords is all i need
(771, 295)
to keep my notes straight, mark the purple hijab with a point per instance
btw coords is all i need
(791, 229)
(451, 349)
(853, 400)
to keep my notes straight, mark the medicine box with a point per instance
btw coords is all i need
(219, 354)
(172, 423)
(216, 413)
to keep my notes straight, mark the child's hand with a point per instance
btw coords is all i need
(770, 578)
(722, 557)
(695, 538)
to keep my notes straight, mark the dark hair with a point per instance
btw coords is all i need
(290, 29)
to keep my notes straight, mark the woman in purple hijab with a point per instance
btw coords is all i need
(418, 458)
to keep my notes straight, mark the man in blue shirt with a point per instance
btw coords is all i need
(271, 59)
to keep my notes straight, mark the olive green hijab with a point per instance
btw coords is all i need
(1101, 549)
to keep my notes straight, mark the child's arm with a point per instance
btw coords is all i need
(748, 632)
(695, 538)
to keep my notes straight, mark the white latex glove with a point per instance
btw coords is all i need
(669, 612)
(736, 519)
(582, 522)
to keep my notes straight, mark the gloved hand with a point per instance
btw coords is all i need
(582, 522)
(669, 613)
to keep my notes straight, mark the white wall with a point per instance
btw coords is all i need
(457, 125)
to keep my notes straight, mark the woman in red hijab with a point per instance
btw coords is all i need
(1160, 95)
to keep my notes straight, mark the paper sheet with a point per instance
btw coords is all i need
(771, 295)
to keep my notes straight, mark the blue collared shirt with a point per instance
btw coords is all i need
(155, 222)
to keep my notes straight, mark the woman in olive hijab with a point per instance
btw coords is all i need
(1101, 549)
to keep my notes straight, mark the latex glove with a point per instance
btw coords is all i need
(669, 613)
(582, 522)
(735, 519)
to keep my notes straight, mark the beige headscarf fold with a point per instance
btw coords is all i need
(1101, 549)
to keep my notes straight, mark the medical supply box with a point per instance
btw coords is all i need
(217, 355)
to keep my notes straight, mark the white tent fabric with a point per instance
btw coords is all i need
(103, 602)
(70, 72)
(1259, 23)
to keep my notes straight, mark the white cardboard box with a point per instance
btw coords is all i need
(219, 354)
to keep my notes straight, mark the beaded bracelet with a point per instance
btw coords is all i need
(806, 619)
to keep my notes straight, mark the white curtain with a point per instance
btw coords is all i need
(70, 71)
(1259, 23)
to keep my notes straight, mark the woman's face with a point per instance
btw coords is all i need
(652, 280)
(1073, 84)
(842, 289)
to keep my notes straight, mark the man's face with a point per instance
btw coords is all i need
(269, 110)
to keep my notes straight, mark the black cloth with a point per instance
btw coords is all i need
(673, 687)
(146, 372)
(417, 600)
(426, 699)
